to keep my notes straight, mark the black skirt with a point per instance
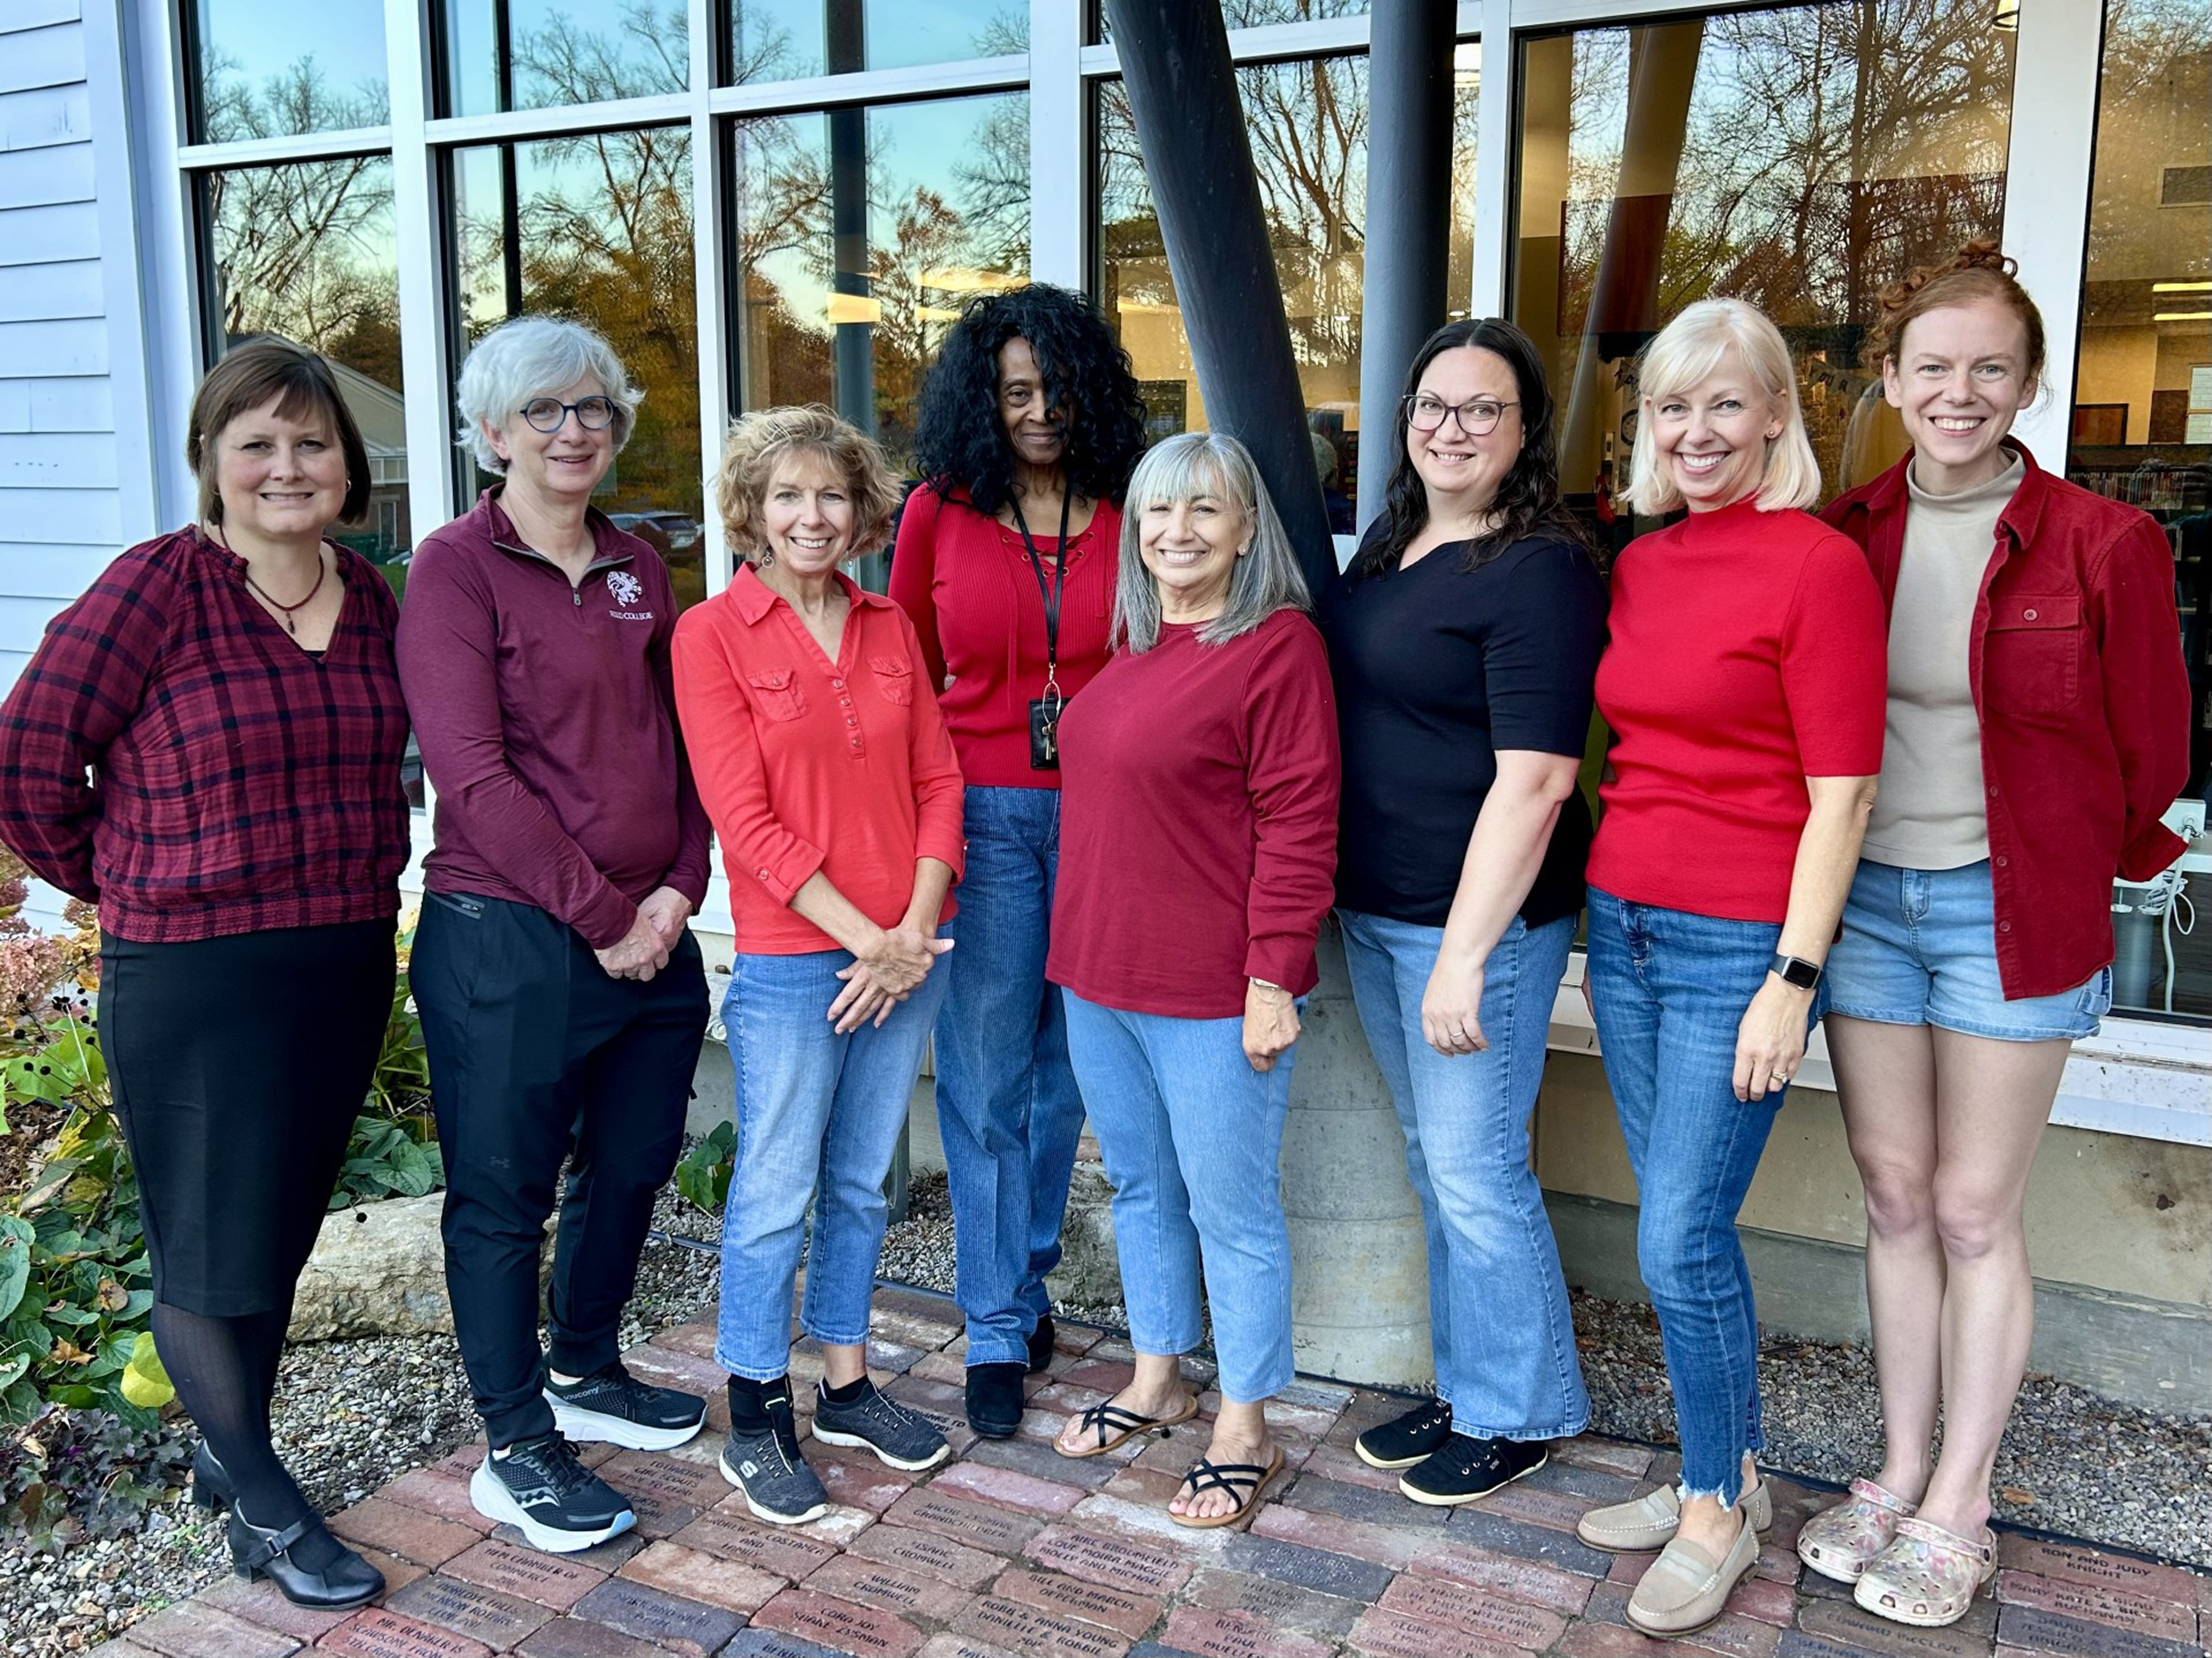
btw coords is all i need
(238, 1065)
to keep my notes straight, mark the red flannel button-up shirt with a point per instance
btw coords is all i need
(808, 764)
(2076, 664)
(241, 784)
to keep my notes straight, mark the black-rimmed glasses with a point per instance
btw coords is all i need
(550, 414)
(1478, 416)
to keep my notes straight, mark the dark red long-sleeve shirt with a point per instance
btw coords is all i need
(241, 784)
(547, 719)
(2076, 664)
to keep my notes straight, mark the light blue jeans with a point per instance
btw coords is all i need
(1193, 1140)
(1670, 990)
(818, 1118)
(1007, 1106)
(1499, 1323)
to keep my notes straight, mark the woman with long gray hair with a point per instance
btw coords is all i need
(1199, 789)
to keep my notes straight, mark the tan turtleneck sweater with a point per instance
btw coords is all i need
(1928, 812)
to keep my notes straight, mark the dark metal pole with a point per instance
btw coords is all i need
(1190, 130)
(846, 52)
(1409, 147)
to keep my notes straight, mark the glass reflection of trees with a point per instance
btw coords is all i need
(859, 234)
(540, 54)
(597, 226)
(253, 75)
(785, 39)
(1258, 14)
(1800, 158)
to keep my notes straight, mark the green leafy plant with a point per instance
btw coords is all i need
(383, 1159)
(69, 1474)
(703, 1175)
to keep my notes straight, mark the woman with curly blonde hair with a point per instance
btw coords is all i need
(2036, 728)
(827, 769)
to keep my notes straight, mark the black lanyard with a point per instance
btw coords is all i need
(1049, 592)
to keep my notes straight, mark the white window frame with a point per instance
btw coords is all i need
(2140, 1076)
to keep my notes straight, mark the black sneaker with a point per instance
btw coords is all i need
(1403, 1441)
(877, 1422)
(613, 1406)
(556, 1502)
(995, 1398)
(1464, 1468)
(1041, 1345)
(765, 1465)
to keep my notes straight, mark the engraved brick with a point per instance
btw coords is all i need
(1100, 1375)
(1357, 1502)
(1149, 1523)
(667, 1492)
(601, 1557)
(1115, 1609)
(696, 1339)
(1732, 1636)
(1210, 1634)
(939, 1367)
(463, 1461)
(772, 1643)
(1387, 1634)
(2072, 1564)
(978, 1525)
(1311, 1394)
(1617, 1641)
(1531, 1581)
(1035, 1633)
(928, 1554)
(444, 1495)
(1476, 1611)
(926, 1331)
(2032, 1626)
(1566, 1479)
(1848, 1626)
(498, 1620)
(1609, 1455)
(551, 1580)
(788, 1553)
(408, 1532)
(685, 1626)
(1284, 1604)
(193, 1628)
(687, 1373)
(376, 1633)
(1334, 1462)
(579, 1637)
(1097, 1557)
(1557, 1509)
(950, 1645)
(1322, 1569)
(1009, 1488)
(694, 1575)
(840, 1624)
(1147, 1487)
(890, 1588)
(1394, 1547)
(260, 1603)
(1501, 1536)
(856, 1478)
(1035, 1457)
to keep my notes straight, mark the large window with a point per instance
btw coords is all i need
(784, 39)
(1800, 158)
(536, 54)
(253, 73)
(2142, 409)
(597, 227)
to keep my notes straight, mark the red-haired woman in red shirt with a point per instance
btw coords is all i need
(2038, 726)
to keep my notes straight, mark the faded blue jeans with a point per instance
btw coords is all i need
(1193, 1140)
(1670, 990)
(1007, 1107)
(1499, 1323)
(818, 1118)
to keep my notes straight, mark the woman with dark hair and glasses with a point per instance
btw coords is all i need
(1029, 426)
(1464, 640)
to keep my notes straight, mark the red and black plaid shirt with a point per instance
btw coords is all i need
(242, 784)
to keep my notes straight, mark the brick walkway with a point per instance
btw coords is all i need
(1011, 1549)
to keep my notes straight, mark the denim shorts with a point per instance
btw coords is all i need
(1919, 946)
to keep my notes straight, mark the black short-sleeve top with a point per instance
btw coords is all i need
(1438, 668)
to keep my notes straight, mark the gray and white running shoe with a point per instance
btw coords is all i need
(766, 1468)
(558, 1504)
(613, 1406)
(877, 1422)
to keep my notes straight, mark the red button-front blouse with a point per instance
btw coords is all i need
(808, 764)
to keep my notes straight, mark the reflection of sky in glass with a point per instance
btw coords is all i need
(564, 52)
(783, 39)
(247, 44)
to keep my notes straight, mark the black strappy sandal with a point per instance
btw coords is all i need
(1244, 1481)
(1114, 1425)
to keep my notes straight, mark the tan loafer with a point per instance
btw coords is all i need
(1685, 1587)
(1648, 1522)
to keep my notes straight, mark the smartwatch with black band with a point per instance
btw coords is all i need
(1796, 969)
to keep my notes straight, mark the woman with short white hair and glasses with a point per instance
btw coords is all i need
(1744, 686)
(562, 997)
(1199, 785)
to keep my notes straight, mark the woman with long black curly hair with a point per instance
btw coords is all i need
(1029, 426)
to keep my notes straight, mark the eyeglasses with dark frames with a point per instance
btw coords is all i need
(1478, 417)
(550, 414)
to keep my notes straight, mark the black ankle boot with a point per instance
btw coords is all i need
(258, 1551)
(1040, 1344)
(211, 1486)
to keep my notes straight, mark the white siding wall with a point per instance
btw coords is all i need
(73, 487)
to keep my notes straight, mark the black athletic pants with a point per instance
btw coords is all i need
(537, 1055)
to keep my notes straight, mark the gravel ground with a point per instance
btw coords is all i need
(353, 1415)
